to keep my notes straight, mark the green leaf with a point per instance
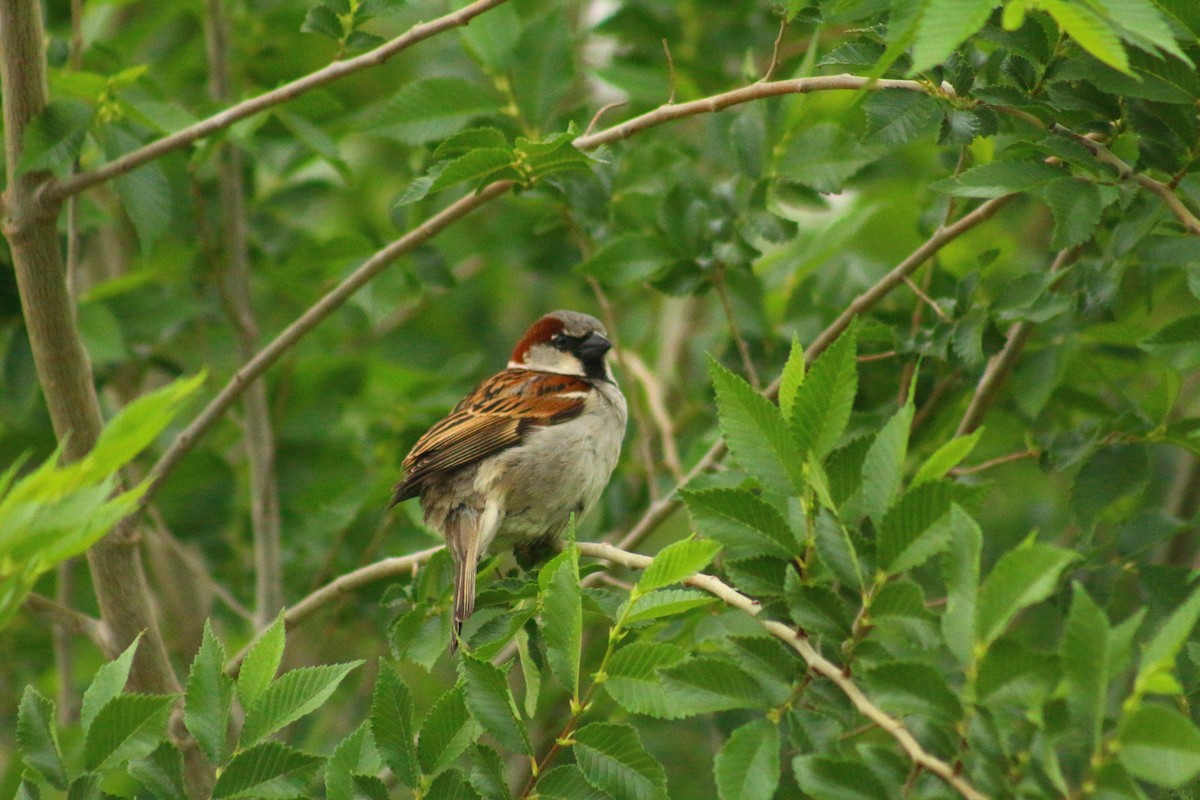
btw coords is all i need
(292, 696)
(531, 673)
(1076, 205)
(666, 603)
(54, 138)
(744, 524)
(567, 783)
(946, 458)
(913, 529)
(448, 730)
(38, 739)
(1110, 474)
(747, 767)
(261, 663)
(491, 703)
(633, 678)
(884, 464)
(209, 697)
(1158, 659)
(613, 760)
(824, 157)
(268, 769)
(677, 561)
(322, 20)
(562, 617)
(998, 178)
(471, 139)
(554, 154)
(450, 785)
(943, 26)
(493, 36)
(145, 192)
(837, 551)
(355, 755)
(836, 779)
(420, 636)
(627, 258)
(960, 571)
(161, 772)
(488, 774)
(791, 380)
(1160, 746)
(543, 73)
(1022, 577)
(1085, 664)
(1090, 30)
(706, 684)
(817, 609)
(107, 684)
(475, 166)
(128, 726)
(823, 404)
(905, 688)
(434, 108)
(392, 725)
(897, 116)
(756, 433)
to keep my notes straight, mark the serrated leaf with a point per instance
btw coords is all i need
(677, 561)
(823, 404)
(757, 436)
(128, 726)
(627, 258)
(420, 636)
(108, 683)
(1076, 205)
(1090, 30)
(1108, 475)
(54, 137)
(943, 26)
(960, 571)
(998, 178)
(747, 766)
(744, 524)
(1158, 658)
(145, 192)
(1142, 23)
(471, 139)
(896, 116)
(209, 697)
(912, 688)
(450, 785)
(883, 465)
(475, 166)
(567, 783)
(292, 696)
(946, 458)
(487, 774)
(791, 379)
(554, 154)
(612, 759)
(1022, 577)
(824, 157)
(817, 609)
(1160, 746)
(392, 725)
(837, 779)
(543, 73)
(836, 550)
(491, 703)
(633, 678)
(161, 772)
(355, 755)
(321, 19)
(260, 664)
(434, 108)
(706, 684)
(267, 769)
(914, 528)
(562, 617)
(38, 739)
(1085, 664)
(448, 730)
(666, 603)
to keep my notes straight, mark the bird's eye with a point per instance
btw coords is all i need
(560, 341)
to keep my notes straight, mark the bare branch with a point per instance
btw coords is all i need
(603, 110)
(71, 621)
(994, 462)
(656, 402)
(743, 348)
(55, 192)
(893, 727)
(337, 589)
(775, 50)
(670, 71)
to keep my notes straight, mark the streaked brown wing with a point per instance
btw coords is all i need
(493, 417)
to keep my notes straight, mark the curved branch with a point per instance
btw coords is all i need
(67, 619)
(815, 661)
(336, 589)
(57, 191)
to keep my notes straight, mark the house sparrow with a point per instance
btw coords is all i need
(529, 447)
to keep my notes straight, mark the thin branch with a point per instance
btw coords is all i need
(338, 588)
(670, 71)
(603, 110)
(893, 727)
(656, 402)
(1125, 172)
(775, 50)
(55, 192)
(234, 274)
(1001, 364)
(309, 320)
(994, 462)
(925, 298)
(743, 348)
(75, 622)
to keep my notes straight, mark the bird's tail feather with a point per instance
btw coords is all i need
(462, 535)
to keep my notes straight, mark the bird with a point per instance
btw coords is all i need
(524, 451)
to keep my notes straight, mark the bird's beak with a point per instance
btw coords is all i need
(594, 346)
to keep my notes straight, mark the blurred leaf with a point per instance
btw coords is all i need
(998, 178)
(628, 258)
(433, 108)
(824, 157)
(161, 772)
(613, 760)
(145, 192)
(54, 138)
(321, 19)
(1110, 474)
(1160, 746)
(545, 71)
(1092, 31)
(943, 26)
(471, 139)
(960, 571)
(896, 117)
(1085, 663)
(947, 457)
(747, 767)
(1022, 577)
(836, 779)
(493, 37)
(1158, 659)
